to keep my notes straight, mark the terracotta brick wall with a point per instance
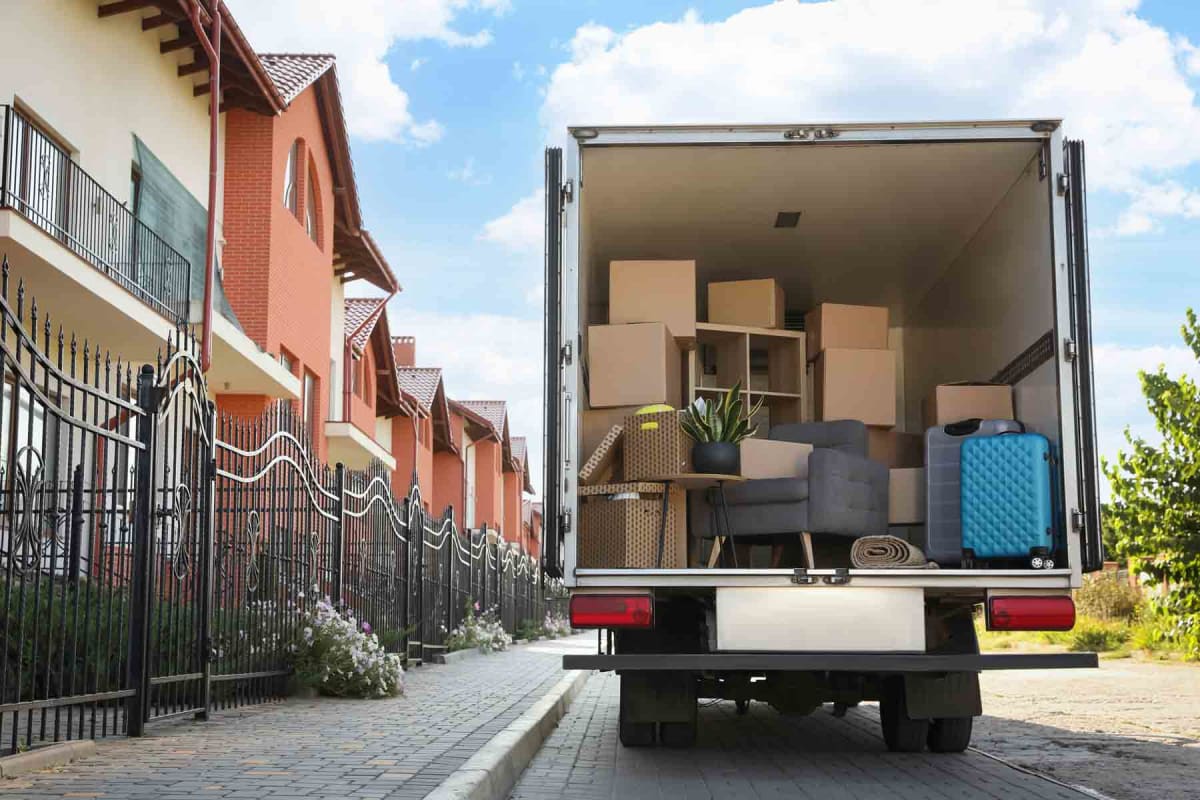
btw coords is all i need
(449, 484)
(514, 526)
(489, 484)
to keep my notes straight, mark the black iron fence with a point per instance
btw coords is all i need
(40, 180)
(159, 559)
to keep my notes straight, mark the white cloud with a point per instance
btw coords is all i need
(522, 229)
(1119, 399)
(518, 71)
(1119, 82)
(467, 174)
(485, 357)
(1151, 204)
(361, 33)
(417, 63)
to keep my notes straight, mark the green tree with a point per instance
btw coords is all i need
(1154, 517)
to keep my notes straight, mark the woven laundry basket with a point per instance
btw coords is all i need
(655, 446)
(619, 526)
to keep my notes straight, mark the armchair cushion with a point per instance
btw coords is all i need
(846, 435)
(848, 494)
(767, 490)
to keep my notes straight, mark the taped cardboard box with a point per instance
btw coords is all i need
(856, 384)
(767, 458)
(620, 526)
(654, 291)
(757, 303)
(895, 449)
(597, 422)
(637, 364)
(906, 496)
(954, 402)
(655, 447)
(831, 325)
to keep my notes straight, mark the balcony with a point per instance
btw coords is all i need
(40, 181)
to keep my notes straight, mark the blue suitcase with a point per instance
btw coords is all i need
(1007, 500)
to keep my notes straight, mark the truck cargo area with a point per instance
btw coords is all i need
(955, 237)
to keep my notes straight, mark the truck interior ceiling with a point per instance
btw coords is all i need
(953, 238)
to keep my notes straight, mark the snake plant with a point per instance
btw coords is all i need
(719, 421)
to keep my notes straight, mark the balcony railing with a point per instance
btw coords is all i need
(39, 180)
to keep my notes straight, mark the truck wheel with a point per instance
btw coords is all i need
(743, 707)
(636, 734)
(901, 734)
(677, 734)
(950, 735)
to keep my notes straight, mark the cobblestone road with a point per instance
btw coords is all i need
(761, 755)
(317, 749)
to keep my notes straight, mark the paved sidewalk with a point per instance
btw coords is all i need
(322, 748)
(761, 755)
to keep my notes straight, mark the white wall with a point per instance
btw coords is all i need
(383, 432)
(337, 343)
(96, 82)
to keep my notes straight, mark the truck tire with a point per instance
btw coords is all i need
(900, 733)
(636, 734)
(950, 735)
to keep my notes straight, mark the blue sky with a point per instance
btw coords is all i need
(452, 101)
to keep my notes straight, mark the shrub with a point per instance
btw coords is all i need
(339, 657)
(1098, 635)
(1106, 595)
(482, 631)
(529, 630)
(556, 625)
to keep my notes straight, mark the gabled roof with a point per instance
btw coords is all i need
(421, 383)
(362, 316)
(292, 73)
(520, 455)
(494, 411)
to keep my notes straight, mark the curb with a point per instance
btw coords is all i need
(474, 652)
(52, 755)
(492, 772)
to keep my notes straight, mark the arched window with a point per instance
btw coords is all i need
(290, 198)
(312, 219)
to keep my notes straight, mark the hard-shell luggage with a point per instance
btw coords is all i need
(943, 495)
(1007, 502)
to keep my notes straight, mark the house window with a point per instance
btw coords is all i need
(290, 198)
(289, 363)
(311, 222)
(309, 401)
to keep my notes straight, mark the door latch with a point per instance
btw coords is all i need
(801, 577)
(1064, 184)
(568, 192)
(840, 577)
(1070, 350)
(1078, 520)
(564, 355)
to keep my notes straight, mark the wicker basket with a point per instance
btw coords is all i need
(656, 447)
(619, 526)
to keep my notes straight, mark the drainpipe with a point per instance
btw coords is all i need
(211, 43)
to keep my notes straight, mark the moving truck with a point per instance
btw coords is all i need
(973, 236)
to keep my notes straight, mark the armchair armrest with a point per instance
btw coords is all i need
(847, 494)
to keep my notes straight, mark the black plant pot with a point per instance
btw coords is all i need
(720, 458)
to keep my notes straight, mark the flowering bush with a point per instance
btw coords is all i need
(556, 625)
(339, 656)
(483, 631)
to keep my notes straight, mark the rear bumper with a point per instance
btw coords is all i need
(829, 662)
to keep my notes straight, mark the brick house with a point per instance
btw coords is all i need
(498, 477)
(424, 442)
(294, 237)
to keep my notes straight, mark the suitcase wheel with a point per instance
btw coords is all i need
(1037, 562)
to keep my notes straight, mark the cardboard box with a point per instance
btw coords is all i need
(604, 464)
(655, 447)
(620, 526)
(953, 402)
(856, 384)
(654, 291)
(831, 325)
(895, 449)
(906, 496)
(766, 458)
(596, 424)
(633, 365)
(757, 303)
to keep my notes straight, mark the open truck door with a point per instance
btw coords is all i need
(1073, 186)
(552, 516)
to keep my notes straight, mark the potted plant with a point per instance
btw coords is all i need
(716, 428)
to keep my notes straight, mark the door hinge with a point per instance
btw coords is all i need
(1064, 184)
(568, 191)
(1078, 521)
(1070, 351)
(564, 521)
(810, 134)
(565, 355)
(801, 577)
(1043, 167)
(840, 577)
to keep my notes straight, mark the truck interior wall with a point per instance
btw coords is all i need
(995, 300)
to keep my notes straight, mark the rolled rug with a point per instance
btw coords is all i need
(887, 552)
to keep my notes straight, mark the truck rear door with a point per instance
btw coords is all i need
(1074, 188)
(552, 518)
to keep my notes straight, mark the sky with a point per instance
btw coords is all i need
(451, 102)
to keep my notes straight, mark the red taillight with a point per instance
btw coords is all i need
(1028, 613)
(612, 611)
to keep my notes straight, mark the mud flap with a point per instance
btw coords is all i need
(951, 694)
(658, 697)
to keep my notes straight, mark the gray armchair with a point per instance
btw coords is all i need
(844, 495)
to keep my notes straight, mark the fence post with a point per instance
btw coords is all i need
(451, 568)
(75, 542)
(141, 578)
(416, 514)
(207, 540)
(339, 528)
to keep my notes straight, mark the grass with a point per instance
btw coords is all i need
(1110, 638)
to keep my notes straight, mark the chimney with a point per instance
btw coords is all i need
(405, 350)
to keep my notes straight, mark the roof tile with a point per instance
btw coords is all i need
(292, 73)
(421, 383)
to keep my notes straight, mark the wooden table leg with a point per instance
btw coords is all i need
(715, 553)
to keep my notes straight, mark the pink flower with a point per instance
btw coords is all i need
(366, 627)
(476, 605)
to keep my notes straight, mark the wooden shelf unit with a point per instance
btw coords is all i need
(733, 346)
